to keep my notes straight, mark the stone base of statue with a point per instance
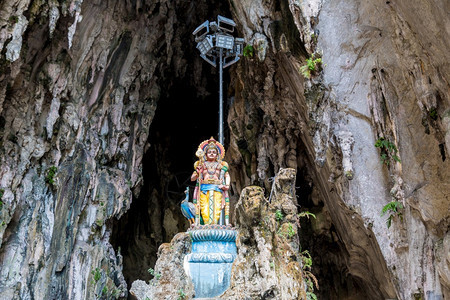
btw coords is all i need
(213, 254)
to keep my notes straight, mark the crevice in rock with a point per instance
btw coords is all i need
(320, 237)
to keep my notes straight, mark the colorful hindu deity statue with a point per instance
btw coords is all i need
(213, 182)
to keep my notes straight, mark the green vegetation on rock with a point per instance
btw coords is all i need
(97, 274)
(313, 66)
(308, 277)
(394, 209)
(50, 177)
(154, 273)
(387, 150)
(248, 51)
(279, 215)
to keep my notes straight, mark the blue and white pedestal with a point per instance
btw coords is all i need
(213, 254)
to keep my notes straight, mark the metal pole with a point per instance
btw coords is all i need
(220, 99)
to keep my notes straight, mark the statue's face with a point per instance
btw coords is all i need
(211, 154)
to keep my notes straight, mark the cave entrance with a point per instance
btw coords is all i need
(182, 121)
(187, 113)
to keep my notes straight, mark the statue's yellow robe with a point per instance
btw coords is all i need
(210, 206)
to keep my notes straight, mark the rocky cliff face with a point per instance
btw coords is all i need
(88, 161)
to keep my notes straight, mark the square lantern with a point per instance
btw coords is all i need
(225, 24)
(201, 31)
(205, 45)
(224, 41)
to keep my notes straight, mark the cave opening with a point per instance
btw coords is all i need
(183, 119)
(186, 115)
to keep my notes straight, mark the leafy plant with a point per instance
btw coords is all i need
(51, 172)
(181, 294)
(279, 215)
(433, 113)
(115, 293)
(309, 277)
(393, 208)
(290, 231)
(313, 65)
(306, 260)
(306, 214)
(105, 290)
(97, 274)
(272, 265)
(387, 150)
(248, 51)
(13, 20)
(154, 274)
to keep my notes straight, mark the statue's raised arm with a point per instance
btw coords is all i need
(213, 182)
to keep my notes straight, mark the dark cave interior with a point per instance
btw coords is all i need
(186, 115)
(183, 120)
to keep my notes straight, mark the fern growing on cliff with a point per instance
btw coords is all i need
(394, 208)
(309, 277)
(387, 150)
(313, 66)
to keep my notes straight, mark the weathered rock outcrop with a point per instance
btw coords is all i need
(269, 264)
(169, 278)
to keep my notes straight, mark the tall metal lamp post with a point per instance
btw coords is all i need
(216, 42)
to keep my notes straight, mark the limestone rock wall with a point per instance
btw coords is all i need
(79, 82)
(385, 75)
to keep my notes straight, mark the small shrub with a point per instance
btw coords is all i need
(50, 178)
(248, 51)
(279, 215)
(105, 290)
(97, 274)
(290, 231)
(115, 293)
(13, 20)
(387, 150)
(433, 113)
(393, 208)
(313, 66)
(154, 274)
(181, 294)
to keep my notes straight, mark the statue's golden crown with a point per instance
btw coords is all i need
(211, 144)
